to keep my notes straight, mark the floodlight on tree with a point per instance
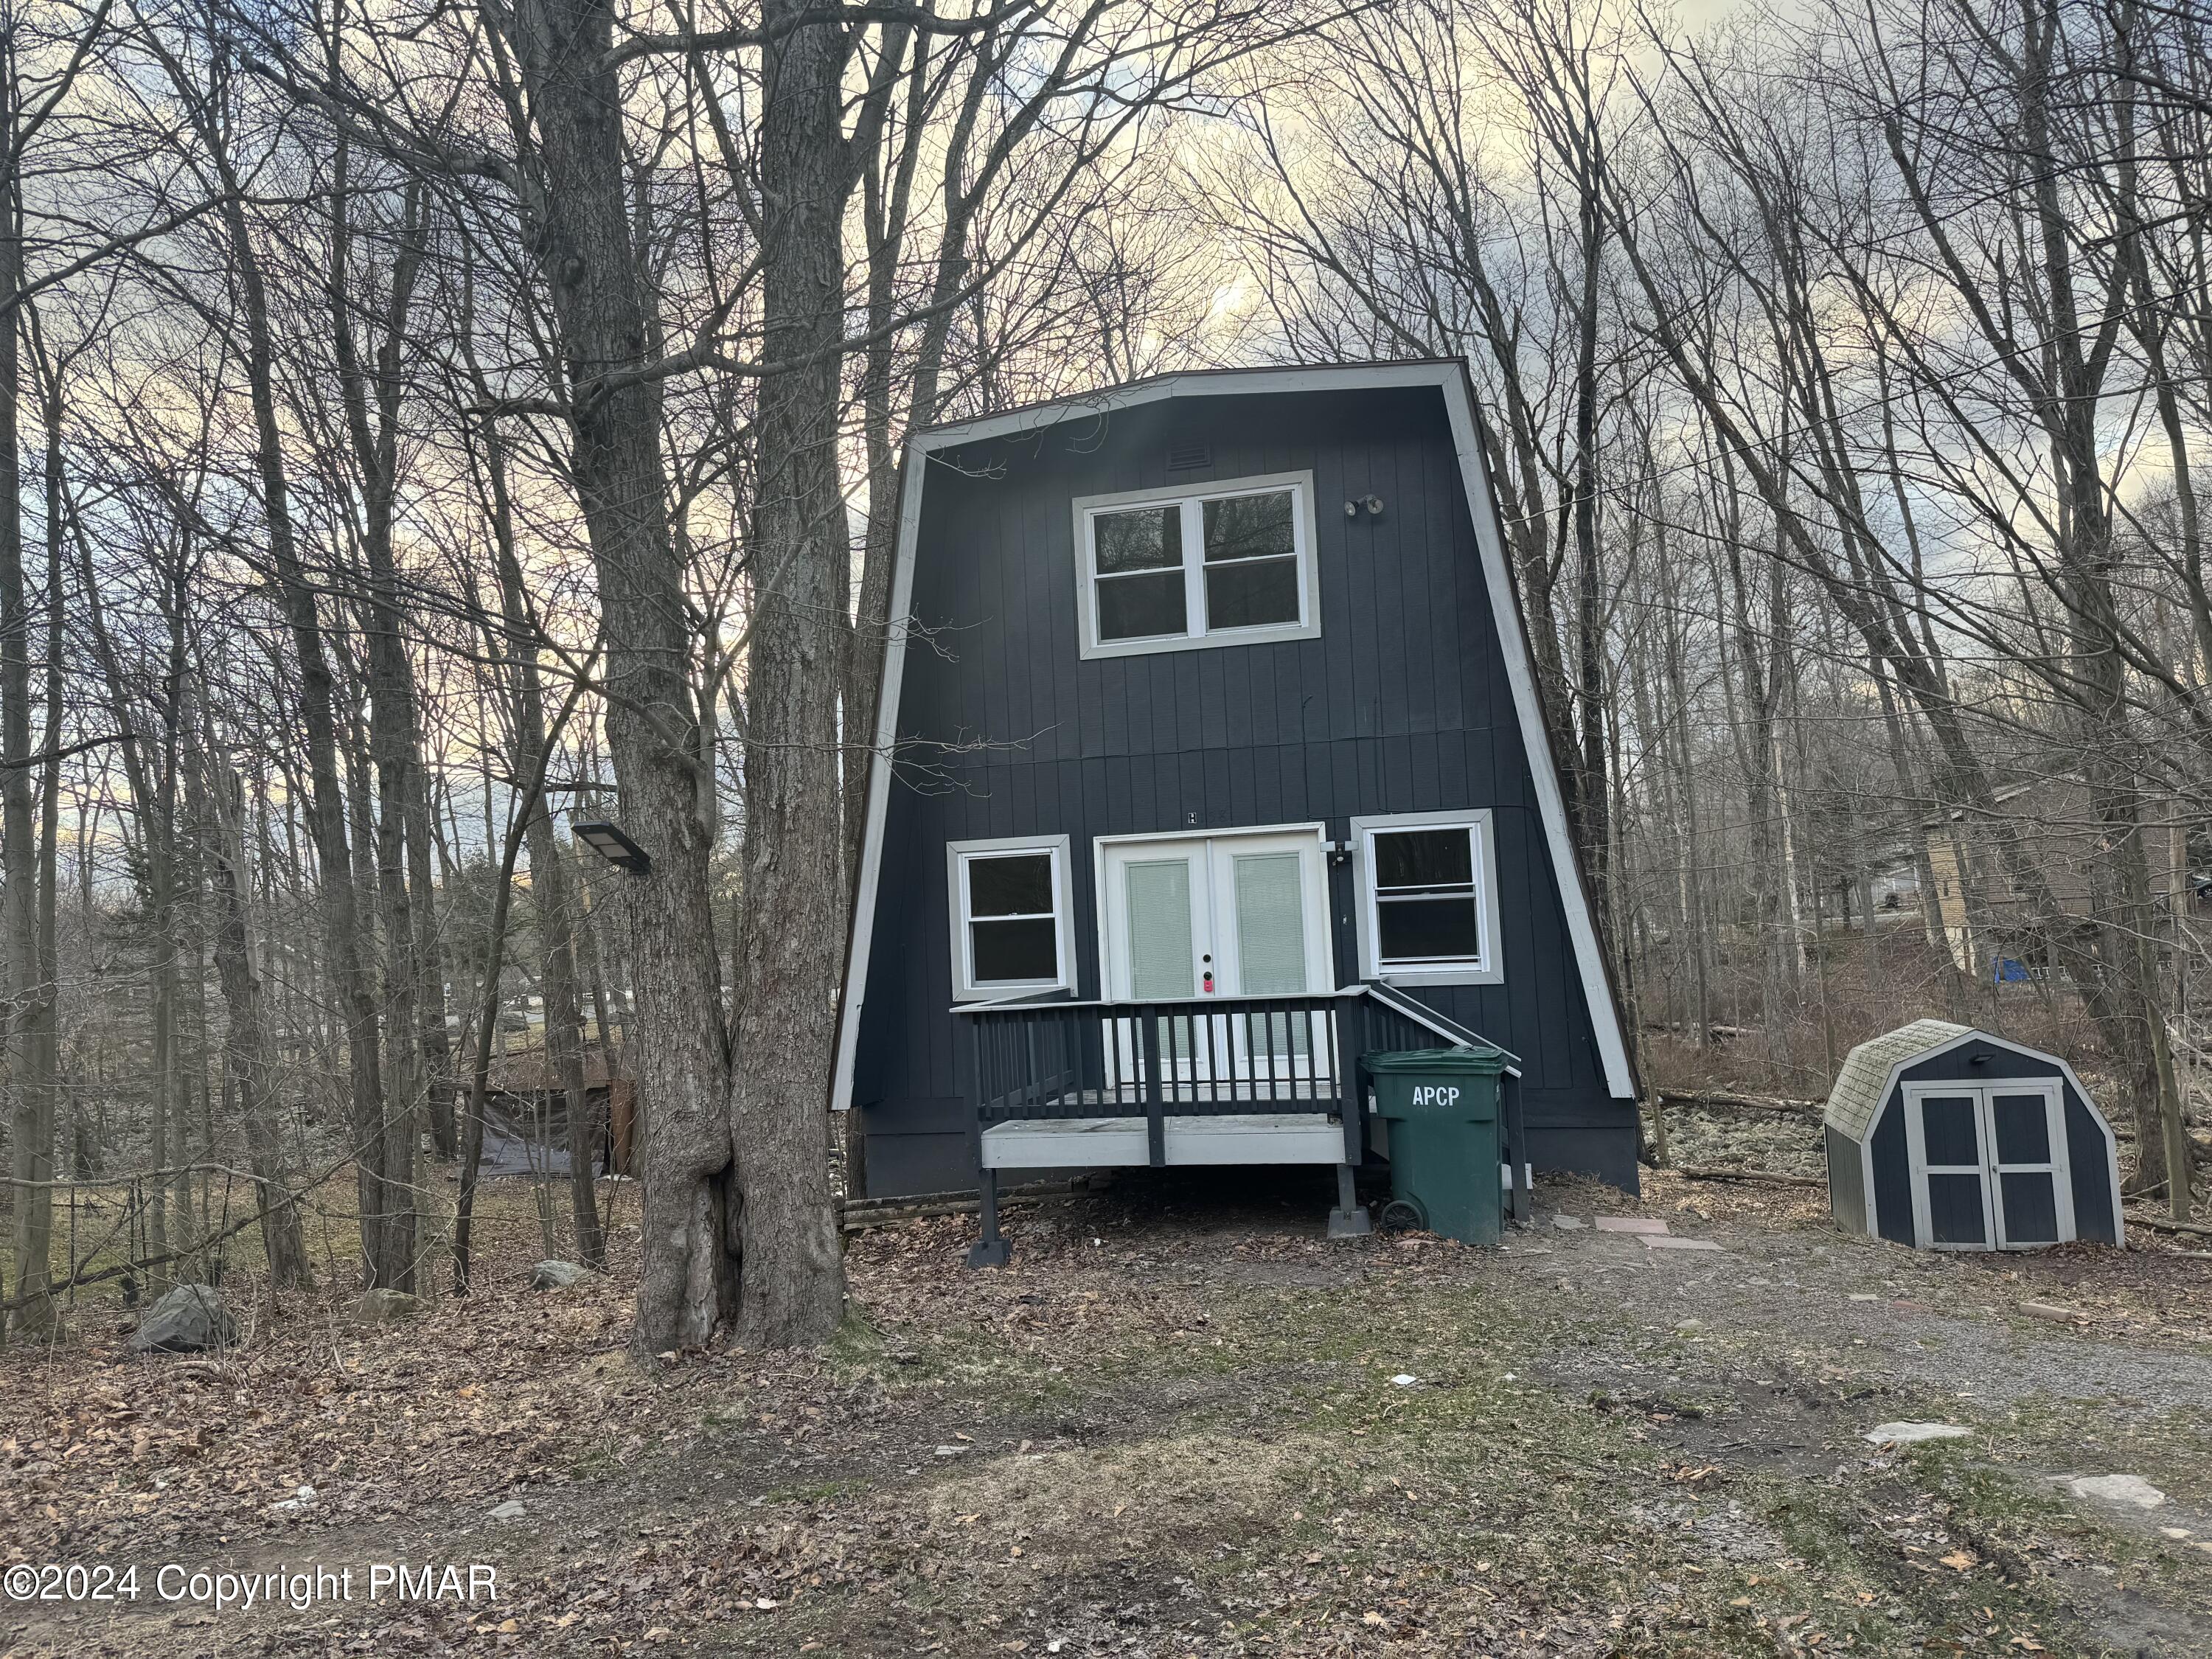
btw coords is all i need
(608, 840)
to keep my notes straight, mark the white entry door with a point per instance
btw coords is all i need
(1227, 915)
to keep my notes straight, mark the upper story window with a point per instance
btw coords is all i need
(1217, 564)
(1428, 904)
(1011, 915)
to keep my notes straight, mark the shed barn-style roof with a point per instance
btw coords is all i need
(1856, 1097)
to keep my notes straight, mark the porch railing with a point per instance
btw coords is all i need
(1217, 1057)
(1225, 1055)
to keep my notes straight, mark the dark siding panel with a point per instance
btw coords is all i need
(1892, 1173)
(1401, 705)
(903, 1163)
(2090, 1163)
(1605, 1154)
(1847, 1183)
(1977, 1062)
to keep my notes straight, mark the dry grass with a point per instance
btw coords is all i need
(1172, 1427)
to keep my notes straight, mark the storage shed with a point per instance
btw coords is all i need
(1945, 1138)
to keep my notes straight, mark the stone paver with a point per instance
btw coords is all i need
(1912, 1434)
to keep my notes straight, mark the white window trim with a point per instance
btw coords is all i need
(1490, 970)
(957, 854)
(1192, 498)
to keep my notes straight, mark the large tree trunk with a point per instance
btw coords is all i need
(216, 798)
(603, 304)
(549, 874)
(437, 1078)
(2131, 939)
(792, 923)
(343, 944)
(31, 1139)
(1586, 796)
(43, 1050)
(394, 733)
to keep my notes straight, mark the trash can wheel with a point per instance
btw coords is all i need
(1403, 1215)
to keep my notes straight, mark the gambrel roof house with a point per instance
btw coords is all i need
(1211, 759)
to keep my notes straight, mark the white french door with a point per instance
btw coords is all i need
(1989, 1164)
(1220, 915)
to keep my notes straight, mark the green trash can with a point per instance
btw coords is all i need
(1442, 1108)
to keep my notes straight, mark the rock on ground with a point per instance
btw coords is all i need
(191, 1319)
(2130, 1489)
(1912, 1434)
(557, 1275)
(376, 1305)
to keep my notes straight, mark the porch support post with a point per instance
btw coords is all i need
(1156, 1126)
(1347, 1032)
(991, 1251)
(1349, 1219)
(1521, 1203)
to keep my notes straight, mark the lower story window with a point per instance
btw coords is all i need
(1009, 912)
(1429, 904)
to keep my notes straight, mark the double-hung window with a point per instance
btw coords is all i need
(1010, 916)
(1219, 564)
(1428, 902)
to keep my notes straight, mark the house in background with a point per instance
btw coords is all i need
(2053, 821)
(1210, 760)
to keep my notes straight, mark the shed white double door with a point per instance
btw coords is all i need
(1237, 915)
(1989, 1164)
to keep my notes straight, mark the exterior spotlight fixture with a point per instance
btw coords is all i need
(608, 840)
(1372, 503)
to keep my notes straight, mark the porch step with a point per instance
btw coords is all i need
(1072, 1143)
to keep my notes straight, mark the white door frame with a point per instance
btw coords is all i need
(1213, 934)
(1113, 977)
(1981, 1095)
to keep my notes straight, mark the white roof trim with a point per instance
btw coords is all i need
(1448, 376)
(855, 989)
(1535, 742)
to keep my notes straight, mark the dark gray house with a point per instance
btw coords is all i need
(1210, 758)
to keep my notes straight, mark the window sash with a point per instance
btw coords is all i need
(1194, 565)
(966, 918)
(1472, 891)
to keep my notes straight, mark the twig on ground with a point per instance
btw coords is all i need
(2159, 1223)
(1716, 1102)
(1775, 1177)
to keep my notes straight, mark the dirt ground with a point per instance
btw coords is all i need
(1182, 1423)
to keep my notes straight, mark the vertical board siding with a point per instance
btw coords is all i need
(1401, 705)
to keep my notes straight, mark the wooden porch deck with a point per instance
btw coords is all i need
(1087, 1143)
(1067, 1084)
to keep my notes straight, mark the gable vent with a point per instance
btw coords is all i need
(1189, 455)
